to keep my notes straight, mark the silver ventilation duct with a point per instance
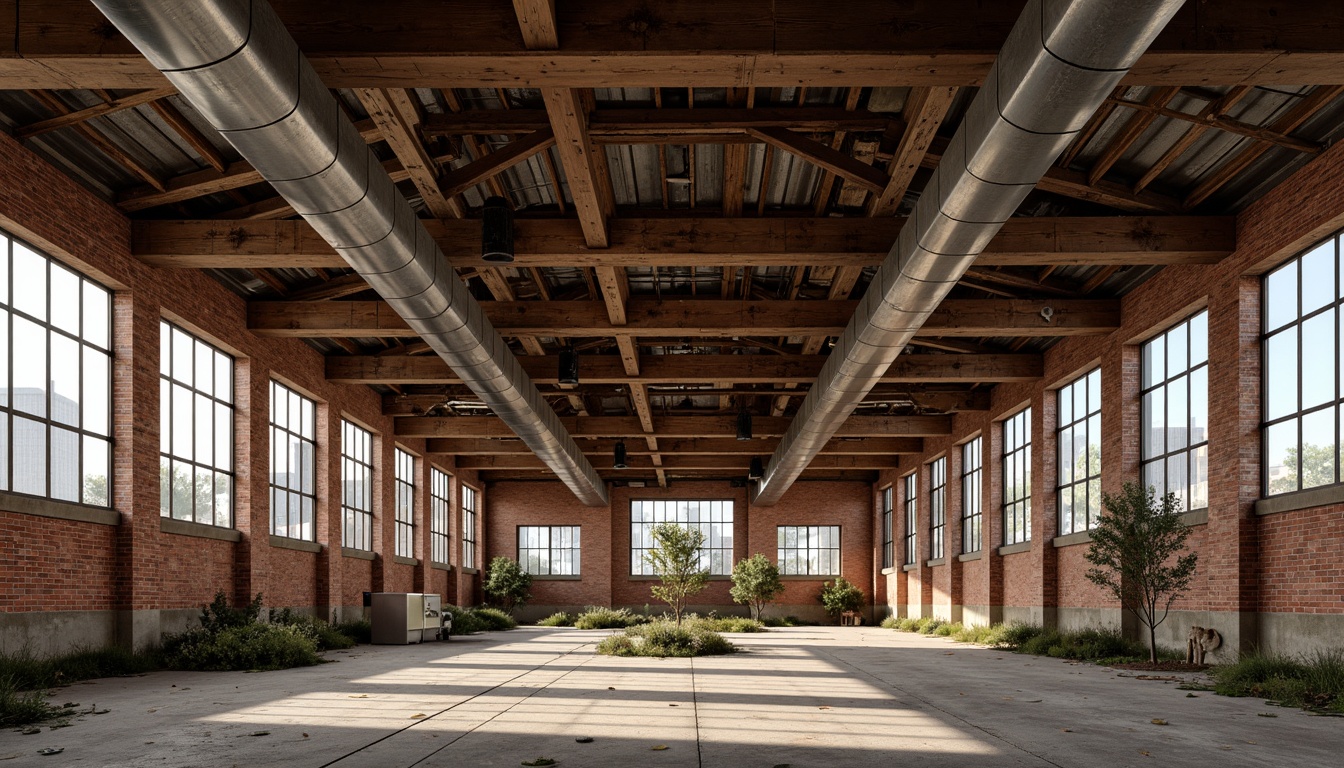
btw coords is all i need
(1060, 61)
(238, 65)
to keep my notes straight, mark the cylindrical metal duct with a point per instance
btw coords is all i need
(240, 68)
(1061, 59)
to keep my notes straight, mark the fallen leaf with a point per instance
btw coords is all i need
(31, 730)
(823, 707)
(358, 696)
(305, 735)
(584, 739)
(418, 715)
(1248, 741)
(259, 733)
(51, 751)
(1066, 730)
(1159, 721)
(1191, 696)
(1266, 714)
(674, 705)
(1141, 752)
(539, 761)
(658, 747)
(609, 688)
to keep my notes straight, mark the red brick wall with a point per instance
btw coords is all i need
(55, 565)
(550, 503)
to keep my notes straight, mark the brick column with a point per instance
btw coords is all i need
(1044, 509)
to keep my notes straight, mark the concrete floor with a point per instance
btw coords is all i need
(808, 696)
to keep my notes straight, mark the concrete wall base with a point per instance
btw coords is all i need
(1300, 633)
(976, 616)
(46, 633)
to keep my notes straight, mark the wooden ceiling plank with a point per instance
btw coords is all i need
(823, 156)
(1193, 134)
(672, 426)
(76, 117)
(398, 129)
(192, 135)
(1130, 133)
(925, 109)
(459, 180)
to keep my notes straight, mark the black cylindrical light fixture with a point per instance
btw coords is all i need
(569, 367)
(743, 423)
(757, 470)
(620, 456)
(497, 231)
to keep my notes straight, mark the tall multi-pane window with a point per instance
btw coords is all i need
(888, 544)
(404, 480)
(293, 463)
(937, 506)
(808, 550)
(195, 429)
(1017, 478)
(55, 379)
(910, 486)
(549, 550)
(468, 526)
(440, 507)
(1079, 489)
(971, 510)
(1302, 383)
(713, 518)
(356, 487)
(1175, 396)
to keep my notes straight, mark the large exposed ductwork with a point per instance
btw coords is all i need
(1060, 61)
(238, 65)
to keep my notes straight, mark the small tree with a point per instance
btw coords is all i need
(676, 559)
(755, 583)
(1136, 548)
(507, 583)
(840, 597)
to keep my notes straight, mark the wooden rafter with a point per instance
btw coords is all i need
(98, 110)
(674, 426)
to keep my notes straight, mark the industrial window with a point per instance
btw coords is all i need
(55, 379)
(195, 429)
(549, 550)
(1175, 395)
(1079, 488)
(971, 511)
(809, 550)
(713, 518)
(293, 463)
(1017, 478)
(888, 543)
(937, 506)
(468, 526)
(404, 480)
(1302, 389)
(911, 499)
(356, 487)
(440, 507)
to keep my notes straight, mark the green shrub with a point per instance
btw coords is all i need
(1041, 643)
(787, 621)
(665, 638)
(20, 707)
(358, 630)
(980, 635)
(507, 583)
(494, 619)
(327, 637)
(908, 625)
(840, 596)
(738, 624)
(219, 615)
(947, 630)
(891, 622)
(1314, 681)
(1018, 634)
(557, 619)
(597, 617)
(927, 626)
(250, 647)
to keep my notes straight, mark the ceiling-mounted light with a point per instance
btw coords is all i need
(620, 456)
(757, 470)
(497, 231)
(569, 367)
(743, 422)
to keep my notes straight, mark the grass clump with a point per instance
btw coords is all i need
(787, 621)
(739, 624)
(664, 638)
(26, 672)
(326, 636)
(891, 622)
(249, 647)
(597, 617)
(494, 619)
(469, 620)
(1101, 645)
(358, 630)
(1314, 681)
(557, 619)
(20, 707)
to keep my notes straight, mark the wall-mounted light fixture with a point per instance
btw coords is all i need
(497, 231)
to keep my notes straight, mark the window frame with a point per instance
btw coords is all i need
(440, 516)
(470, 502)
(937, 508)
(1090, 481)
(356, 520)
(10, 413)
(725, 511)
(1016, 453)
(553, 553)
(804, 536)
(1298, 413)
(298, 491)
(1190, 452)
(168, 414)
(910, 502)
(972, 496)
(885, 500)
(403, 483)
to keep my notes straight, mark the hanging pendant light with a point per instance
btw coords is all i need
(569, 367)
(620, 456)
(743, 422)
(497, 231)
(757, 470)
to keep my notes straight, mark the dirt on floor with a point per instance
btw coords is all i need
(1161, 666)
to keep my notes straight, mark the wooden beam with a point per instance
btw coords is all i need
(618, 123)
(821, 155)
(337, 288)
(696, 369)
(673, 426)
(1226, 124)
(836, 242)
(88, 113)
(186, 129)
(1130, 133)
(924, 111)
(396, 117)
(704, 446)
(709, 318)
(459, 180)
(585, 165)
(547, 476)
(104, 144)
(644, 463)
(536, 19)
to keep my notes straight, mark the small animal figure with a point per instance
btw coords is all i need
(1201, 641)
